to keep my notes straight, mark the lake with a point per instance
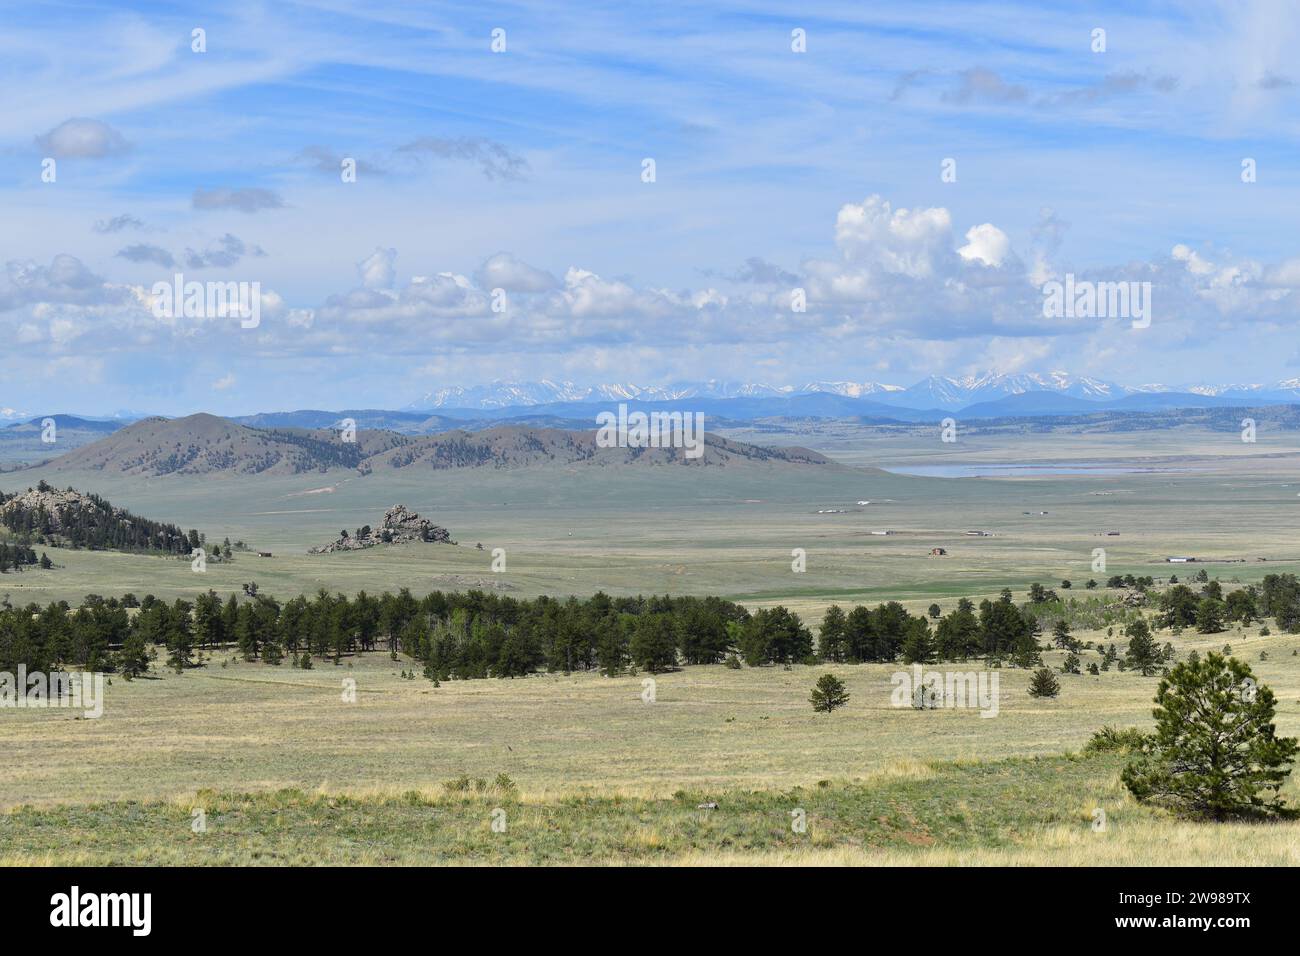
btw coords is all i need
(1020, 471)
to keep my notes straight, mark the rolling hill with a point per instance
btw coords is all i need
(207, 445)
(27, 442)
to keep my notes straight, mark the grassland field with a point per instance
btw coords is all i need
(288, 772)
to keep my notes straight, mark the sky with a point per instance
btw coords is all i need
(623, 193)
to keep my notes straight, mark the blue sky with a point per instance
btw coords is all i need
(522, 171)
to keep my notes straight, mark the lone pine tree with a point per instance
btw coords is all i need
(1215, 753)
(1044, 683)
(828, 694)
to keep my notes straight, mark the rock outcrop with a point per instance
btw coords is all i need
(398, 526)
(56, 504)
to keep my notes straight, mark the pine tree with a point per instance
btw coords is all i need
(1215, 752)
(833, 638)
(612, 646)
(1044, 684)
(828, 694)
(918, 646)
(133, 658)
(654, 643)
(1143, 653)
(180, 639)
(1209, 616)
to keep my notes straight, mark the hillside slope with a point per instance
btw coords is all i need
(208, 445)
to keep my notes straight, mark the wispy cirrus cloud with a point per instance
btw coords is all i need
(117, 224)
(493, 159)
(982, 85)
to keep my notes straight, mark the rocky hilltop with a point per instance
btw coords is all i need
(57, 507)
(399, 525)
(72, 519)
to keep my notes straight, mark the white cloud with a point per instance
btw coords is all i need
(902, 282)
(81, 138)
(506, 272)
(377, 269)
(909, 242)
(987, 244)
(1195, 263)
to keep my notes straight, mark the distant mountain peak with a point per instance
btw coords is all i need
(935, 391)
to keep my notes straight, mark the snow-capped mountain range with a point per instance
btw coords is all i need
(937, 391)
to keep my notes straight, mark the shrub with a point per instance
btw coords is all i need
(459, 784)
(1110, 739)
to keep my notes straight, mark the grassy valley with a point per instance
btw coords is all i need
(275, 757)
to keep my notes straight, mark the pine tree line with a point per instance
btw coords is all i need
(474, 634)
(15, 557)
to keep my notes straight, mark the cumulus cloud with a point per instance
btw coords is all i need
(81, 138)
(65, 280)
(377, 269)
(905, 280)
(1195, 263)
(987, 244)
(248, 200)
(761, 272)
(908, 242)
(504, 271)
